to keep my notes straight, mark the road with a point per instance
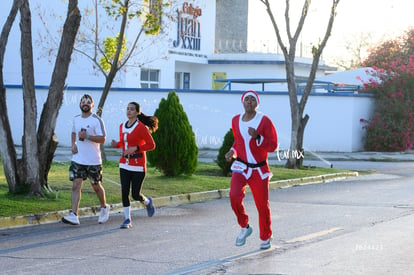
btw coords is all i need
(360, 225)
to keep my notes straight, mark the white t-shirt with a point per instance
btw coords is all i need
(88, 152)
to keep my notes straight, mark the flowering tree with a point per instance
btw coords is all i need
(392, 125)
(390, 54)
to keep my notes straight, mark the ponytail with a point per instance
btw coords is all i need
(150, 121)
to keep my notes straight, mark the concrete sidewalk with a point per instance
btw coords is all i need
(210, 155)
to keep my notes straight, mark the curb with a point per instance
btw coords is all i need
(53, 217)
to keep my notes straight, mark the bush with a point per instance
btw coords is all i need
(225, 147)
(176, 150)
(392, 125)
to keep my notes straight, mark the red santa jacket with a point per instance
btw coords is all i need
(254, 151)
(136, 135)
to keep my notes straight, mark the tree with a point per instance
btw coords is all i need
(38, 146)
(392, 53)
(176, 151)
(391, 126)
(110, 55)
(297, 108)
(357, 47)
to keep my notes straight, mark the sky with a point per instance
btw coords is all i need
(382, 19)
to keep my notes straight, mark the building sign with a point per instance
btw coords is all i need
(218, 85)
(188, 28)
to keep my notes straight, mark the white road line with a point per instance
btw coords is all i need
(314, 235)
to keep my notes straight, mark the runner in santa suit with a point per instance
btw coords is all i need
(135, 140)
(254, 137)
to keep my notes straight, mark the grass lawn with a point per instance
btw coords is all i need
(207, 177)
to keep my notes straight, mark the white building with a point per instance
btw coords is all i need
(201, 40)
(207, 40)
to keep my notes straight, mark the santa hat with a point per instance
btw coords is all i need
(251, 93)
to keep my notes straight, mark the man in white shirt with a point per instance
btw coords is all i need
(88, 132)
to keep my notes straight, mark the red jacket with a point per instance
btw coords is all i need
(251, 150)
(136, 135)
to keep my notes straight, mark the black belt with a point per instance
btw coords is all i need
(252, 165)
(133, 156)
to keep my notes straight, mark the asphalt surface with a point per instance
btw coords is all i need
(194, 233)
(347, 225)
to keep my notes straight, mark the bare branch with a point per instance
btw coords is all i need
(93, 60)
(275, 26)
(287, 20)
(130, 53)
(303, 16)
(7, 27)
(318, 54)
(96, 43)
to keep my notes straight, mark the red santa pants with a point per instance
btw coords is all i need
(260, 192)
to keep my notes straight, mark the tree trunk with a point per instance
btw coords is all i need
(107, 87)
(114, 66)
(301, 132)
(295, 112)
(47, 140)
(30, 151)
(8, 152)
(46, 163)
(113, 71)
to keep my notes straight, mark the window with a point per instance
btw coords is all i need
(182, 80)
(149, 78)
(178, 77)
(186, 81)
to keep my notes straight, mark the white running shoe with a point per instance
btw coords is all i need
(104, 214)
(71, 219)
(266, 243)
(244, 233)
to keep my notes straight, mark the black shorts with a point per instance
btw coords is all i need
(93, 172)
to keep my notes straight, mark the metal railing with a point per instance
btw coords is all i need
(258, 46)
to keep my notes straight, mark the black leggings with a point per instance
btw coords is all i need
(136, 178)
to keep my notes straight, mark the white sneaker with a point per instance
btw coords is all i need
(244, 233)
(104, 214)
(71, 219)
(266, 243)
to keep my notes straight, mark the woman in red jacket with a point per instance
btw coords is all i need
(135, 139)
(254, 137)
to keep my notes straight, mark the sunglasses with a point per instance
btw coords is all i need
(86, 101)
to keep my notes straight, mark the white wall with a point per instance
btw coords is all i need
(334, 123)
